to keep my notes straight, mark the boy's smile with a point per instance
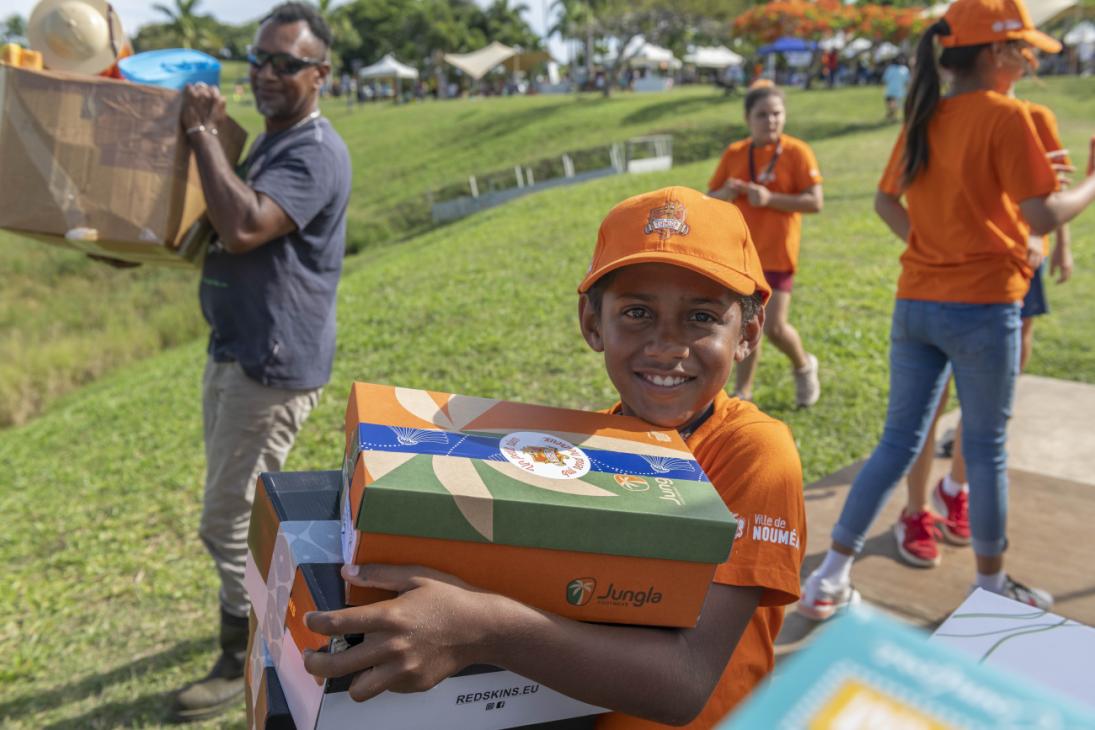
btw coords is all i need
(670, 337)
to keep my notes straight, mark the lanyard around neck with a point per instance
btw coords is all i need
(767, 175)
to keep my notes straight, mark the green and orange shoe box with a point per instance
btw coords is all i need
(292, 568)
(590, 516)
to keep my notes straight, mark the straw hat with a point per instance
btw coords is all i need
(80, 36)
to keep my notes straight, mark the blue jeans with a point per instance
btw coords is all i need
(980, 343)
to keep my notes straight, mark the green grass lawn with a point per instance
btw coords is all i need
(109, 600)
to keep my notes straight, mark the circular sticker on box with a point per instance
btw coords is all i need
(544, 455)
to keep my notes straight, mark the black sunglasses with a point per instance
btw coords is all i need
(283, 64)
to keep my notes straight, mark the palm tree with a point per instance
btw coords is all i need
(341, 26)
(504, 23)
(13, 29)
(184, 22)
(577, 19)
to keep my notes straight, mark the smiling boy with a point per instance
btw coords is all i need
(672, 299)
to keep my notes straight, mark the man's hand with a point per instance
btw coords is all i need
(759, 196)
(202, 105)
(424, 635)
(1060, 262)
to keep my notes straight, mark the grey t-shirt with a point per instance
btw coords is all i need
(273, 309)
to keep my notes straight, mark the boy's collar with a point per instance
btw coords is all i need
(686, 430)
(690, 428)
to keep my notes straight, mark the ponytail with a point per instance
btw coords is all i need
(923, 97)
(924, 93)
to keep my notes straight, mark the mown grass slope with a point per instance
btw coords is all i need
(67, 320)
(110, 601)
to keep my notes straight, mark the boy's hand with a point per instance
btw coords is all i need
(759, 196)
(1060, 263)
(426, 634)
(1034, 252)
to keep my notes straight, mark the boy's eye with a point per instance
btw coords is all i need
(635, 312)
(705, 317)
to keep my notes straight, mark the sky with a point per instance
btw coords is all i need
(135, 13)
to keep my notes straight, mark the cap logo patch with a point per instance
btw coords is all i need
(667, 220)
(1002, 25)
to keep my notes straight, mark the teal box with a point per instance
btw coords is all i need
(869, 671)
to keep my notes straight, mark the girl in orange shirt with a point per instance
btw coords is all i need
(943, 513)
(773, 178)
(976, 182)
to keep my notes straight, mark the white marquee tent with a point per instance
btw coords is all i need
(641, 54)
(1082, 33)
(388, 68)
(1041, 11)
(855, 47)
(713, 57)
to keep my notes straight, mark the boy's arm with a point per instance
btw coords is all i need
(438, 625)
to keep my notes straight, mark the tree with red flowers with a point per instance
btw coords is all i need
(817, 20)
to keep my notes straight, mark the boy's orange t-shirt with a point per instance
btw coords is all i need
(1045, 124)
(776, 233)
(752, 461)
(967, 240)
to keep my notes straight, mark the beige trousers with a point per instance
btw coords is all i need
(249, 428)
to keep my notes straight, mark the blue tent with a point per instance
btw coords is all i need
(787, 44)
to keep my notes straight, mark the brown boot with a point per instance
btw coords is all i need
(222, 688)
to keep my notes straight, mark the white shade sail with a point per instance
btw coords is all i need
(388, 68)
(477, 63)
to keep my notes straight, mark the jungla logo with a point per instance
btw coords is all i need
(636, 598)
(631, 483)
(580, 590)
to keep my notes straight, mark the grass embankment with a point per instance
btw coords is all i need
(67, 320)
(109, 600)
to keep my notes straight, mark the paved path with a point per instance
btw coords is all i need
(1051, 522)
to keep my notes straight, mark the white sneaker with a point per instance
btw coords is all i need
(1025, 594)
(823, 597)
(807, 385)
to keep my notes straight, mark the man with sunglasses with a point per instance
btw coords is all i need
(268, 292)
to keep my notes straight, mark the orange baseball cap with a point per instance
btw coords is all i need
(682, 227)
(973, 22)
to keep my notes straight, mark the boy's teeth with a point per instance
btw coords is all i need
(667, 380)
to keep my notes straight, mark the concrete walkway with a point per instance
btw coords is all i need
(1051, 519)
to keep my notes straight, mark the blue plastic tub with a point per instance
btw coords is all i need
(172, 68)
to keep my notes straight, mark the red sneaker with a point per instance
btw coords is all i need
(916, 535)
(954, 513)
